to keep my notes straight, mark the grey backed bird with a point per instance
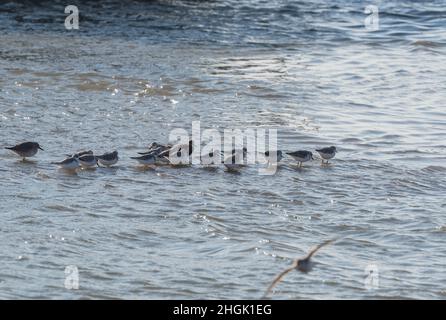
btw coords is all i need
(327, 153)
(108, 159)
(301, 156)
(26, 149)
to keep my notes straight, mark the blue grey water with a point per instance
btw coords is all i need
(135, 70)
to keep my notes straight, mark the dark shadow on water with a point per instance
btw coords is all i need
(145, 168)
(295, 167)
(109, 170)
(26, 162)
(180, 166)
(232, 171)
(87, 169)
(209, 168)
(327, 165)
(68, 172)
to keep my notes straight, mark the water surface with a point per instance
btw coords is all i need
(136, 70)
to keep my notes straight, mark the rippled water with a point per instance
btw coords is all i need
(136, 70)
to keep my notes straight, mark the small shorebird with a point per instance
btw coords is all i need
(146, 159)
(178, 148)
(232, 164)
(164, 156)
(327, 153)
(301, 156)
(207, 159)
(160, 154)
(244, 151)
(108, 159)
(68, 163)
(303, 264)
(279, 156)
(156, 147)
(25, 149)
(80, 154)
(87, 161)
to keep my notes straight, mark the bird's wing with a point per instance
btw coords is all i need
(279, 277)
(165, 153)
(300, 154)
(106, 156)
(323, 244)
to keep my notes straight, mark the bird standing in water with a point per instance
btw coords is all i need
(327, 153)
(68, 164)
(88, 161)
(301, 156)
(108, 159)
(26, 149)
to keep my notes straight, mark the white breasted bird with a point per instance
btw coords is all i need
(69, 163)
(87, 161)
(147, 159)
(327, 153)
(108, 159)
(301, 156)
(79, 154)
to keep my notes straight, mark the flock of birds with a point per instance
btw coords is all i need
(158, 153)
(161, 154)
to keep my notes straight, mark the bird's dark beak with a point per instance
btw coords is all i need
(41, 148)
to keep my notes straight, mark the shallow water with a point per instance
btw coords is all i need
(134, 72)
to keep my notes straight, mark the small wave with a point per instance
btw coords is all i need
(434, 169)
(426, 43)
(60, 208)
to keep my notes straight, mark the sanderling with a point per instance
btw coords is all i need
(88, 161)
(108, 159)
(154, 151)
(303, 264)
(301, 156)
(156, 147)
(279, 156)
(146, 159)
(178, 148)
(79, 154)
(327, 153)
(208, 159)
(68, 163)
(164, 155)
(232, 163)
(244, 151)
(26, 149)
